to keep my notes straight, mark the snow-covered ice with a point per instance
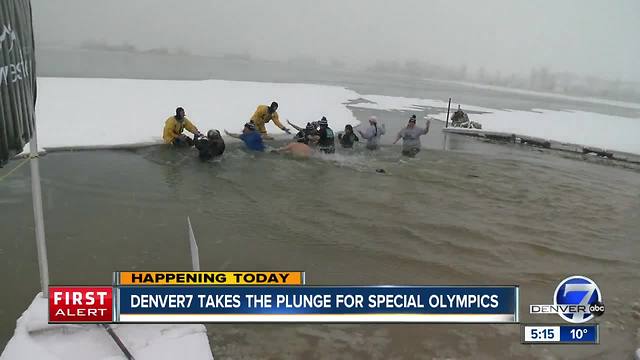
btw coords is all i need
(73, 112)
(384, 102)
(34, 339)
(577, 127)
(98, 112)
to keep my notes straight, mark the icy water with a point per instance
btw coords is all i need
(462, 212)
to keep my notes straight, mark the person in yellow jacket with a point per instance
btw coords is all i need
(174, 126)
(263, 115)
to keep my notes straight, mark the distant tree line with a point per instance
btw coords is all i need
(539, 79)
(100, 45)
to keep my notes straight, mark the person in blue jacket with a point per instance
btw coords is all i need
(251, 138)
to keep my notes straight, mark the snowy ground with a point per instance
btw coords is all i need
(88, 112)
(34, 338)
(577, 127)
(74, 112)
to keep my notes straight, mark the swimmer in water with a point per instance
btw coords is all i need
(298, 149)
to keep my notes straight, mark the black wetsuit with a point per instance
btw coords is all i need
(347, 140)
(183, 141)
(302, 137)
(327, 141)
(209, 148)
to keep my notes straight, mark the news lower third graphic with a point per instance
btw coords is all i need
(317, 304)
(284, 297)
(273, 297)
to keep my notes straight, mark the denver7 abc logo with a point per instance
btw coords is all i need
(577, 299)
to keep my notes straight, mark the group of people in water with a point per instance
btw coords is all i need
(316, 135)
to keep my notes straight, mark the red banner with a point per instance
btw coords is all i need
(80, 304)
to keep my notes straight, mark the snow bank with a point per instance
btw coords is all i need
(98, 112)
(577, 127)
(75, 112)
(35, 339)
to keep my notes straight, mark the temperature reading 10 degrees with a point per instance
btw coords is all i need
(578, 334)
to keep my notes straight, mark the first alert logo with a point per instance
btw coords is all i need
(80, 304)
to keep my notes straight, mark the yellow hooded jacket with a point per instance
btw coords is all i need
(262, 116)
(173, 128)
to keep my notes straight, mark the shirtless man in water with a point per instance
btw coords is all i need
(298, 149)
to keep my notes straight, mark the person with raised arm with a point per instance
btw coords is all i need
(410, 136)
(263, 115)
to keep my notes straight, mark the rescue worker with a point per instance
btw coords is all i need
(175, 125)
(210, 146)
(250, 136)
(373, 133)
(410, 136)
(348, 138)
(263, 115)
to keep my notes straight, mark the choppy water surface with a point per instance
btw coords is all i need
(480, 214)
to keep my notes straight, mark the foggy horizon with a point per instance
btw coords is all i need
(589, 38)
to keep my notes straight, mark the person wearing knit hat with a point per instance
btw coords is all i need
(308, 132)
(326, 138)
(373, 133)
(410, 136)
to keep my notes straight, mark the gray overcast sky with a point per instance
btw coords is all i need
(595, 37)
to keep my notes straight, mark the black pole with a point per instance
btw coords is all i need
(118, 342)
(448, 109)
